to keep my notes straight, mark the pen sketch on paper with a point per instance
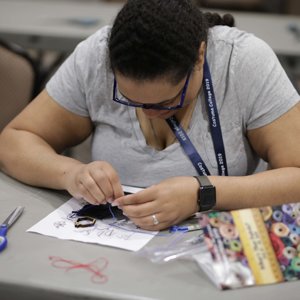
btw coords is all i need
(121, 234)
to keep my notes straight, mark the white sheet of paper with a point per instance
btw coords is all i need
(59, 225)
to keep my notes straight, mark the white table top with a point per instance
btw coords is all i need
(273, 29)
(26, 272)
(54, 25)
(59, 25)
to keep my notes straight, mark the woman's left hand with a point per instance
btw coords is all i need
(169, 202)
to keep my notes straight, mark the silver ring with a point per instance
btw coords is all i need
(155, 221)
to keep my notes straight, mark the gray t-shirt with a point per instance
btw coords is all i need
(251, 90)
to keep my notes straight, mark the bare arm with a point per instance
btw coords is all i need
(31, 143)
(279, 144)
(30, 147)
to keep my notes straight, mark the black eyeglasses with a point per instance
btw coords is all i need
(119, 98)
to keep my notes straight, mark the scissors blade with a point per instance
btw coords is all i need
(13, 216)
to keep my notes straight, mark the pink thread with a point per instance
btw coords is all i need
(92, 267)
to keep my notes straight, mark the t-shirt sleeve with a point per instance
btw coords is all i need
(263, 87)
(70, 85)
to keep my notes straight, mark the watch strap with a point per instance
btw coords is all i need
(203, 180)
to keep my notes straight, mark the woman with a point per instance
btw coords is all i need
(166, 98)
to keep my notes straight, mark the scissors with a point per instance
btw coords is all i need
(6, 224)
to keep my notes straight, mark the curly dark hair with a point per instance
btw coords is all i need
(159, 38)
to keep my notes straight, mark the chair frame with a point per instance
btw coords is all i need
(14, 48)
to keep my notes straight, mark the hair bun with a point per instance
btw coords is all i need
(228, 20)
(214, 19)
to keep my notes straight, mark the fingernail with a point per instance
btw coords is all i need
(114, 203)
(110, 200)
(103, 202)
(124, 214)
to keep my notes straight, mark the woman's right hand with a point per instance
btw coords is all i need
(96, 182)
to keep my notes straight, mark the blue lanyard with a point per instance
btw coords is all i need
(215, 128)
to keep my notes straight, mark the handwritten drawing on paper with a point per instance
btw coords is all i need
(116, 233)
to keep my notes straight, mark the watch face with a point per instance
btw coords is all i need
(207, 197)
(206, 193)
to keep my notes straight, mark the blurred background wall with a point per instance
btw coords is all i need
(271, 6)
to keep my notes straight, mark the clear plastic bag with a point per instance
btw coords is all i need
(207, 248)
(174, 246)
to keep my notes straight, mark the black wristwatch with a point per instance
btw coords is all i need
(206, 194)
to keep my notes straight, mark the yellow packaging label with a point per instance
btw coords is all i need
(257, 246)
